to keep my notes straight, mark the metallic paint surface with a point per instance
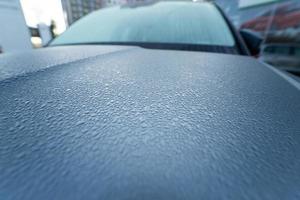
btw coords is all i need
(132, 123)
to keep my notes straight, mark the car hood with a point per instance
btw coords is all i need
(111, 122)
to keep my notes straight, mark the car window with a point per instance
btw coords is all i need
(163, 22)
(297, 51)
(282, 50)
(269, 50)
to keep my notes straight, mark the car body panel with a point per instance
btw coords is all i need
(134, 123)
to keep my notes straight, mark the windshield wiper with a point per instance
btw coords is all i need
(165, 46)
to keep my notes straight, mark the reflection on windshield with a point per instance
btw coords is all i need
(163, 22)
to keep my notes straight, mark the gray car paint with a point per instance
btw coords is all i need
(108, 122)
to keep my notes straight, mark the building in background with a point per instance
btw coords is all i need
(14, 34)
(75, 9)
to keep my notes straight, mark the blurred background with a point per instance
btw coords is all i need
(28, 24)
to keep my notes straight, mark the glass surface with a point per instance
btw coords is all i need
(283, 50)
(163, 22)
(297, 52)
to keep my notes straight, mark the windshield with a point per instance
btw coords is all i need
(162, 22)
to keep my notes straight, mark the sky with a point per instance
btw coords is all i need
(43, 11)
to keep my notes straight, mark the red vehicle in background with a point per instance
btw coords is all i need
(284, 17)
